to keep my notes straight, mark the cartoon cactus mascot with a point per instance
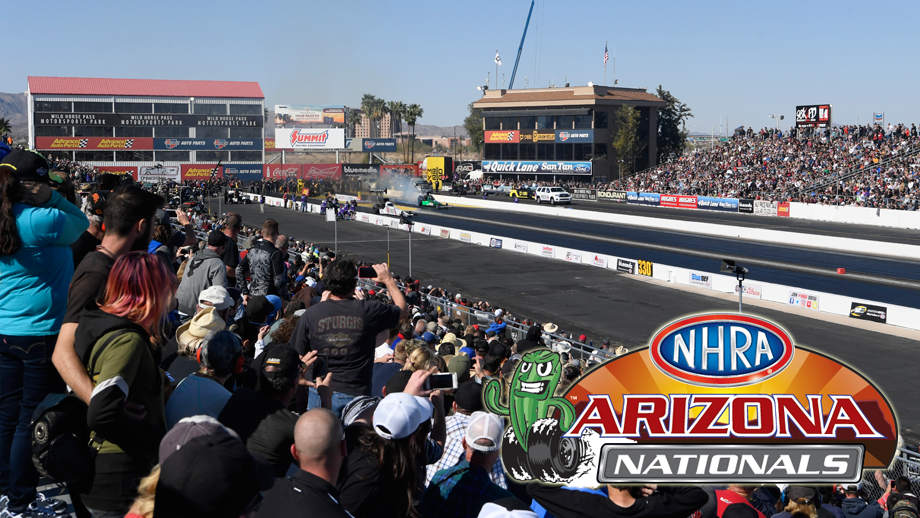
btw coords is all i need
(531, 395)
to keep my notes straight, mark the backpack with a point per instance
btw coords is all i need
(61, 445)
(904, 508)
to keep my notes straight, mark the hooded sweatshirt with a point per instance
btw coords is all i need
(669, 502)
(858, 508)
(530, 342)
(203, 270)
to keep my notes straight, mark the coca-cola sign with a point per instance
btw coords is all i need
(282, 171)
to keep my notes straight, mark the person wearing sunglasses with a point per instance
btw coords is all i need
(37, 226)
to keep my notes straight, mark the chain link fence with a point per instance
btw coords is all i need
(905, 464)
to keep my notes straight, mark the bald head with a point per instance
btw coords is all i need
(317, 437)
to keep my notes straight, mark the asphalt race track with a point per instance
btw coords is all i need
(600, 303)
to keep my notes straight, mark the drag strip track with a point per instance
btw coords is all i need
(867, 277)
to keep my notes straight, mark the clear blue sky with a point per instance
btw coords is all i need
(741, 60)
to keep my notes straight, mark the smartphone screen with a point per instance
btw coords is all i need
(367, 272)
(321, 366)
(445, 381)
(171, 213)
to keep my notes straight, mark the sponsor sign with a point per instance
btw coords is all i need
(509, 166)
(209, 144)
(93, 143)
(813, 116)
(378, 145)
(572, 256)
(200, 171)
(424, 229)
(360, 169)
(751, 290)
(520, 247)
(611, 195)
(365, 218)
(715, 398)
(243, 172)
(502, 137)
(782, 209)
(281, 171)
(580, 193)
(765, 208)
(309, 138)
(466, 237)
(467, 167)
(402, 169)
(626, 266)
(643, 198)
(548, 251)
(719, 204)
(746, 206)
(574, 136)
(703, 280)
(119, 170)
(803, 300)
(147, 120)
(599, 260)
(297, 114)
(321, 172)
(869, 312)
(878, 118)
(269, 144)
(436, 168)
(495, 242)
(445, 233)
(677, 201)
(534, 136)
(155, 174)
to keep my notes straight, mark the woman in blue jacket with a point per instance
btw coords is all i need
(37, 226)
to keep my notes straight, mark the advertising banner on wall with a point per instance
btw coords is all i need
(207, 144)
(813, 116)
(399, 169)
(200, 171)
(677, 201)
(870, 312)
(535, 136)
(513, 167)
(719, 204)
(765, 208)
(281, 171)
(643, 198)
(803, 300)
(155, 174)
(703, 280)
(309, 114)
(574, 136)
(378, 145)
(466, 167)
(93, 143)
(579, 193)
(243, 172)
(746, 206)
(321, 172)
(147, 120)
(782, 209)
(502, 137)
(119, 170)
(361, 169)
(619, 196)
(309, 138)
(270, 144)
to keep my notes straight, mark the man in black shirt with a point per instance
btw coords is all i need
(231, 255)
(319, 449)
(265, 265)
(345, 329)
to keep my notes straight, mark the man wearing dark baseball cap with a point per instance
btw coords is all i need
(212, 476)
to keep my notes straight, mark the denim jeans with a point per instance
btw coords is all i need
(339, 400)
(26, 377)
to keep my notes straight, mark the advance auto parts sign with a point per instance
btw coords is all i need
(715, 398)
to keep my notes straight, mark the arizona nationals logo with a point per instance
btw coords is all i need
(715, 398)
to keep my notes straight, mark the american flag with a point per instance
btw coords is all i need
(606, 55)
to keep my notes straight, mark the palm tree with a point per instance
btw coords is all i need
(5, 126)
(397, 109)
(414, 112)
(353, 118)
(368, 102)
(380, 109)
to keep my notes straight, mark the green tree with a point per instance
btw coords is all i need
(397, 110)
(414, 112)
(473, 125)
(368, 107)
(5, 126)
(672, 125)
(352, 119)
(626, 141)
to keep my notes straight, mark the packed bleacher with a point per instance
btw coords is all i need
(218, 371)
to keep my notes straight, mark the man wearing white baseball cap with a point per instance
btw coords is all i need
(462, 490)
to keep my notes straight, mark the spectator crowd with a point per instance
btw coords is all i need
(272, 381)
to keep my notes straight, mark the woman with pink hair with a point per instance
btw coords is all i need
(119, 341)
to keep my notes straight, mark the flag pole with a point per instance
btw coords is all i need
(605, 62)
(496, 70)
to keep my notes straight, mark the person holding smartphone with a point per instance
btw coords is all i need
(344, 326)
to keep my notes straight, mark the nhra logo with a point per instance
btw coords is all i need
(220, 143)
(171, 143)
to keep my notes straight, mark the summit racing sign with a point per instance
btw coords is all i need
(310, 139)
(508, 166)
(715, 398)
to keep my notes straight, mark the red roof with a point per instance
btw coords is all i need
(144, 87)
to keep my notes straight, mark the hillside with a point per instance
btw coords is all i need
(13, 107)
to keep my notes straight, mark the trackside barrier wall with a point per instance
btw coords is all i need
(856, 215)
(900, 316)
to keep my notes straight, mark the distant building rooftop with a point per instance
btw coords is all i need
(144, 87)
(569, 96)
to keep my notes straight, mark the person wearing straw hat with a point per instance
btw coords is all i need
(189, 337)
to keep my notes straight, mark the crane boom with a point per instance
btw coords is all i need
(521, 47)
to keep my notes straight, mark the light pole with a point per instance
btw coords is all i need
(405, 219)
(729, 266)
(777, 118)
